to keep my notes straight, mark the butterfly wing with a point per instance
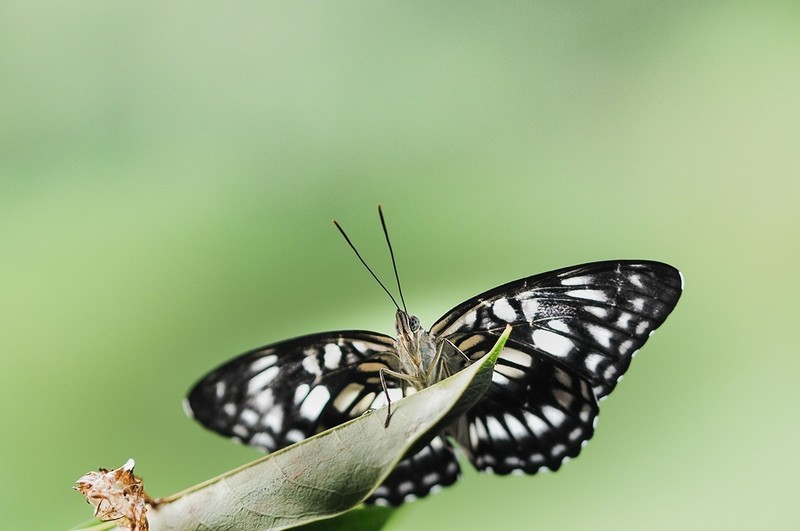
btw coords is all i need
(286, 392)
(425, 472)
(590, 319)
(575, 331)
(283, 393)
(534, 414)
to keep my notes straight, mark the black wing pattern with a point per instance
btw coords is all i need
(425, 472)
(283, 393)
(575, 331)
(533, 416)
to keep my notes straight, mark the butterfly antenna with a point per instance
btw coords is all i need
(371, 272)
(391, 252)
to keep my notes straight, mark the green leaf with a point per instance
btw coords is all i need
(329, 473)
(370, 518)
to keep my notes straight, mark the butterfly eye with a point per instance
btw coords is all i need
(413, 323)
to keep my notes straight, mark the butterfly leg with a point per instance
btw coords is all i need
(400, 376)
(458, 350)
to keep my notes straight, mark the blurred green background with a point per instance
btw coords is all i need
(168, 174)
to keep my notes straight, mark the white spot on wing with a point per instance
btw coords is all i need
(551, 342)
(496, 429)
(636, 280)
(592, 360)
(470, 342)
(360, 346)
(638, 304)
(395, 394)
(515, 427)
(511, 372)
(564, 398)
(261, 380)
(503, 310)
(576, 281)
(333, 356)
(554, 416)
(405, 487)
(535, 459)
(480, 430)
(556, 324)
(229, 409)
(589, 294)
(624, 320)
(262, 439)
(301, 392)
(536, 424)
(470, 318)
(597, 311)
(347, 396)
(517, 357)
(262, 363)
(219, 389)
(431, 478)
(473, 435)
(362, 404)
(500, 379)
(274, 419)
(311, 364)
(294, 436)
(263, 400)
(530, 307)
(642, 326)
(564, 378)
(249, 416)
(600, 334)
(316, 400)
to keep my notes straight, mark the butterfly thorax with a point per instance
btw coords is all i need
(421, 356)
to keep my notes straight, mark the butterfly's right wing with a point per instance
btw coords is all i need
(575, 331)
(590, 319)
(283, 393)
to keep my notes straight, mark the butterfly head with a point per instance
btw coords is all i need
(407, 325)
(414, 345)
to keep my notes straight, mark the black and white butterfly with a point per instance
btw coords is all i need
(575, 331)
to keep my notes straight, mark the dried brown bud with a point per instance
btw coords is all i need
(116, 495)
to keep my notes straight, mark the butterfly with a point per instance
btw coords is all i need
(574, 333)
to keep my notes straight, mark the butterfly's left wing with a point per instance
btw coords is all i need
(283, 393)
(286, 392)
(575, 331)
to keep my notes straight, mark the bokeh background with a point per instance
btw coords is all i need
(169, 171)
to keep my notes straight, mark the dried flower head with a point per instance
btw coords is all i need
(116, 495)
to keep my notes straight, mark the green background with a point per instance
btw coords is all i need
(168, 173)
